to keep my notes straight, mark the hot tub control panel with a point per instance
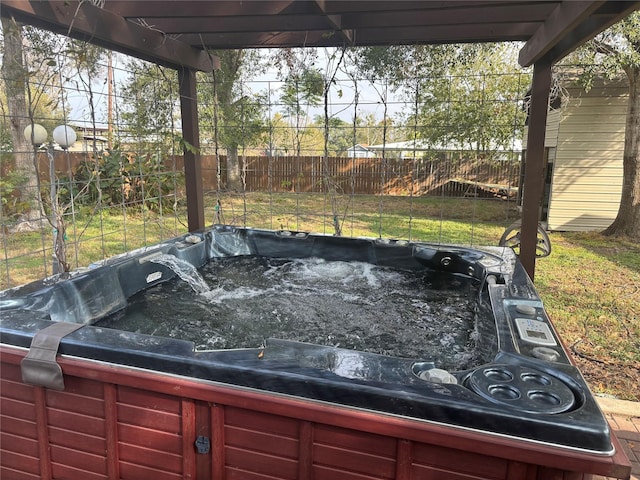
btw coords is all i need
(535, 331)
(532, 331)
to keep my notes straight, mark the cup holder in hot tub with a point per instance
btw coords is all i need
(523, 388)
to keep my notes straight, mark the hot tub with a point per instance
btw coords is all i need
(500, 400)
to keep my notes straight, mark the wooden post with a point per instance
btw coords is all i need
(191, 135)
(534, 165)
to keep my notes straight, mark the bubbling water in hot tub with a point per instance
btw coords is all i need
(354, 305)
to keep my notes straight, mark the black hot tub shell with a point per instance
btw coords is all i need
(529, 390)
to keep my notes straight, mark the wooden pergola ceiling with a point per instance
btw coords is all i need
(177, 33)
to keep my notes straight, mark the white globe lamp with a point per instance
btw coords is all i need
(64, 135)
(35, 134)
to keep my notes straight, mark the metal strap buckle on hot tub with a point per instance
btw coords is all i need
(39, 367)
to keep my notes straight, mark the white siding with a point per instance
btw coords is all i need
(587, 176)
(551, 134)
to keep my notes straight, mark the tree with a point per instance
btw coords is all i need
(31, 80)
(368, 129)
(464, 95)
(614, 51)
(303, 89)
(149, 109)
(340, 134)
(15, 75)
(233, 113)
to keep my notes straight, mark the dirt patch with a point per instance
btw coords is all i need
(603, 377)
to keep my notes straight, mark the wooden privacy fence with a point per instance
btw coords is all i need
(371, 176)
(366, 176)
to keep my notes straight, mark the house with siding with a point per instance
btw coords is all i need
(584, 146)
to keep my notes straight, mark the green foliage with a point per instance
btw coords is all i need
(149, 106)
(11, 183)
(610, 53)
(340, 135)
(119, 178)
(465, 95)
(301, 90)
(226, 106)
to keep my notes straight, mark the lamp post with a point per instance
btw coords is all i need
(64, 136)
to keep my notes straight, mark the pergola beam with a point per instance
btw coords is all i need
(335, 22)
(84, 21)
(570, 25)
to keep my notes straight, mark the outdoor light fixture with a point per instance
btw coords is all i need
(35, 134)
(64, 136)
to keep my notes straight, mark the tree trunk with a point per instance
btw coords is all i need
(233, 170)
(15, 77)
(627, 222)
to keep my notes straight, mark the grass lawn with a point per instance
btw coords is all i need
(591, 289)
(590, 284)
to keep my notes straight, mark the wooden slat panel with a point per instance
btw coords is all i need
(252, 461)
(66, 471)
(78, 441)
(81, 423)
(149, 400)
(12, 373)
(146, 417)
(261, 442)
(521, 470)
(388, 427)
(16, 390)
(80, 386)
(353, 461)
(424, 472)
(354, 440)
(18, 426)
(239, 474)
(549, 474)
(149, 457)
(130, 471)
(16, 475)
(170, 442)
(22, 463)
(353, 453)
(18, 444)
(459, 461)
(76, 403)
(322, 472)
(257, 421)
(79, 459)
(17, 409)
